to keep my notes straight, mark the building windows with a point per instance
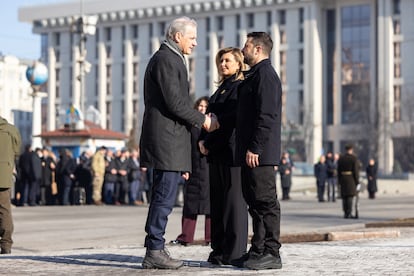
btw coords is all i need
(282, 17)
(250, 20)
(108, 51)
(219, 23)
(330, 63)
(283, 39)
(397, 26)
(44, 45)
(396, 5)
(56, 39)
(301, 75)
(397, 50)
(397, 103)
(108, 34)
(208, 24)
(301, 15)
(238, 22)
(108, 115)
(162, 29)
(269, 18)
(397, 70)
(355, 63)
(135, 71)
(301, 108)
(134, 31)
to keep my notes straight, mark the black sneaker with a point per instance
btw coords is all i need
(178, 242)
(265, 261)
(160, 259)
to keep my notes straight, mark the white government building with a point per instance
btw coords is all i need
(340, 62)
(16, 102)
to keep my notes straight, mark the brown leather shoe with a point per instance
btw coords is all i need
(160, 259)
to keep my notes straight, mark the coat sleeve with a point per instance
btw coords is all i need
(178, 102)
(268, 106)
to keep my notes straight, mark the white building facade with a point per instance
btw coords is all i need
(346, 65)
(16, 102)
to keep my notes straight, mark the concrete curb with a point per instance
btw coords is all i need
(344, 236)
(339, 236)
(404, 222)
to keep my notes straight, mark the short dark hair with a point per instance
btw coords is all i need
(263, 39)
(349, 147)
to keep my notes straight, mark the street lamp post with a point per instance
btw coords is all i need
(37, 75)
(83, 26)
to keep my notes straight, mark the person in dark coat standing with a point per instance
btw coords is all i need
(196, 188)
(31, 175)
(321, 174)
(258, 135)
(348, 177)
(165, 137)
(65, 170)
(229, 217)
(371, 171)
(285, 179)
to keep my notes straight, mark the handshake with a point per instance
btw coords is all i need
(211, 123)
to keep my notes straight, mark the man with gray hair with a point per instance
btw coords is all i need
(165, 138)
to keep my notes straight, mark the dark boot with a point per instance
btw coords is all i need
(160, 259)
(5, 250)
(265, 261)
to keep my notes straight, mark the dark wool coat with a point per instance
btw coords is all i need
(169, 114)
(197, 188)
(320, 170)
(372, 173)
(258, 126)
(348, 174)
(221, 143)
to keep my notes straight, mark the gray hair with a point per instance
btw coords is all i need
(179, 25)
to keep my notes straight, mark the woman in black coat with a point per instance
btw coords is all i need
(228, 208)
(372, 178)
(196, 189)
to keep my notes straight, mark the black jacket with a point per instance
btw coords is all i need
(258, 126)
(197, 188)
(221, 143)
(169, 113)
(348, 174)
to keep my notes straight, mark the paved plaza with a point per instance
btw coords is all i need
(108, 240)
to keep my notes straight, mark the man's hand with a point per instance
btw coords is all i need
(211, 123)
(203, 149)
(185, 175)
(252, 159)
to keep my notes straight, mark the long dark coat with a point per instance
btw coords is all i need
(197, 188)
(169, 113)
(258, 126)
(221, 143)
(348, 174)
(372, 173)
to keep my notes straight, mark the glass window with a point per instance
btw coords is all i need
(250, 20)
(282, 17)
(397, 6)
(219, 23)
(355, 63)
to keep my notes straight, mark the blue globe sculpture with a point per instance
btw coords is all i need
(37, 74)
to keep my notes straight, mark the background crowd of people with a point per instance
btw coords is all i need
(103, 177)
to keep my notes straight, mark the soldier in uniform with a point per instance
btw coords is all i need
(348, 175)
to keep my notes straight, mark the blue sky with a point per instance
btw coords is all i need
(16, 37)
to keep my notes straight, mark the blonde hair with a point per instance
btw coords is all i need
(236, 52)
